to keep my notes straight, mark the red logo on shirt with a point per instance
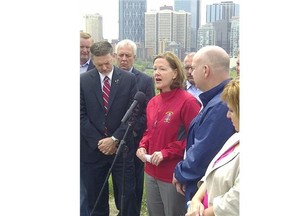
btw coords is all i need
(168, 116)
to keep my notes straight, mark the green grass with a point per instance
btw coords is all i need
(113, 209)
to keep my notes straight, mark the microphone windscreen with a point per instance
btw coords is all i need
(140, 97)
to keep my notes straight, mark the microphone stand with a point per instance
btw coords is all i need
(125, 150)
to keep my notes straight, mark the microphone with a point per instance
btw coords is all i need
(138, 98)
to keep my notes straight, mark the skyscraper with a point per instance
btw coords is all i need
(151, 32)
(167, 30)
(234, 36)
(94, 26)
(206, 35)
(221, 11)
(131, 20)
(194, 8)
(221, 16)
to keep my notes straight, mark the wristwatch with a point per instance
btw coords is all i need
(115, 140)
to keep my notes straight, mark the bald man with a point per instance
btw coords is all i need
(210, 129)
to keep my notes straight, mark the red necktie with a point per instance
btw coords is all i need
(106, 93)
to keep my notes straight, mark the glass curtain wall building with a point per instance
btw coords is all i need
(131, 20)
(194, 8)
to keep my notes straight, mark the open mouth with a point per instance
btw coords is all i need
(157, 79)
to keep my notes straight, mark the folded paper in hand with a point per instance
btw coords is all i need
(148, 158)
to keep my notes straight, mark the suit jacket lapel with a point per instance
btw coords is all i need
(136, 73)
(91, 65)
(115, 83)
(98, 93)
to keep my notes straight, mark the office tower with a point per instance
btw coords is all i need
(222, 33)
(183, 32)
(167, 30)
(194, 8)
(131, 20)
(151, 42)
(220, 15)
(234, 36)
(206, 35)
(94, 26)
(221, 11)
(166, 7)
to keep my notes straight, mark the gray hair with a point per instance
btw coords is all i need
(127, 42)
(101, 48)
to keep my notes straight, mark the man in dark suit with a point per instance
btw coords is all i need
(85, 43)
(126, 51)
(101, 130)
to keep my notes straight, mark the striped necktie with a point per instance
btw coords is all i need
(106, 93)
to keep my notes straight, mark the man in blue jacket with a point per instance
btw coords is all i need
(210, 129)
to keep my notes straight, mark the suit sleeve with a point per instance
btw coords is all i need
(140, 125)
(88, 130)
(150, 90)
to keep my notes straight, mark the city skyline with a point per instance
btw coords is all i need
(110, 14)
(43, 100)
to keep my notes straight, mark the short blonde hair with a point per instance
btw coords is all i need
(231, 93)
(85, 35)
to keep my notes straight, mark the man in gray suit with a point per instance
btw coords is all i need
(101, 130)
(125, 52)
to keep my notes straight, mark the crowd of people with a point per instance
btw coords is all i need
(182, 142)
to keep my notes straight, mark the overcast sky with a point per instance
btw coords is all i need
(109, 11)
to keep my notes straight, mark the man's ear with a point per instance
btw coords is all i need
(206, 71)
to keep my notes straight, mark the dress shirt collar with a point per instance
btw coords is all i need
(110, 74)
(131, 69)
(86, 63)
(84, 67)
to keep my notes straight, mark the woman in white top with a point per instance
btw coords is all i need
(218, 192)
